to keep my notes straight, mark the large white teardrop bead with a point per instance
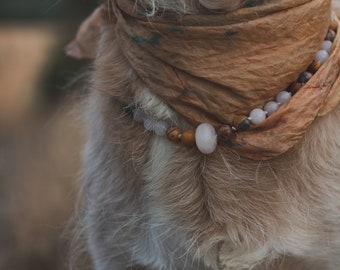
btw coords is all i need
(206, 138)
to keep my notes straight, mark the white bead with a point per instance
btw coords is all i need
(271, 107)
(206, 138)
(283, 96)
(333, 16)
(257, 116)
(327, 46)
(148, 124)
(321, 56)
(160, 128)
(138, 116)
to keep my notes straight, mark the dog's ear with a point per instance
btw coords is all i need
(85, 43)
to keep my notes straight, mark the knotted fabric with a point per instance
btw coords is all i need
(216, 68)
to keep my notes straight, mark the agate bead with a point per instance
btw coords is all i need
(283, 96)
(257, 116)
(314, 67)
(160, 127)
(321, 56)
(294, 87)
(330, 35)
(305, 77)
(225, 133)
(327, 46)
(148, 124)
(271, 107)
(242, 123)
(334, 25)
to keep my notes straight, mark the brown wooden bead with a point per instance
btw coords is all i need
(241, 122)
(225, 133)
(333, 25)
(174, 134)
(314, 67)
(188, 138)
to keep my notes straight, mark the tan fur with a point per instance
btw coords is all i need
(154, 203)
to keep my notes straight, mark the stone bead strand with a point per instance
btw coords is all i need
(257, 115)
(205, 137)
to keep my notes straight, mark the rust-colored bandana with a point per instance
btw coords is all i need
(216, 68)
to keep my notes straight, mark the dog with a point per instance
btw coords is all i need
(150, 203)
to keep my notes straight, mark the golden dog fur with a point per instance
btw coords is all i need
(153, 203)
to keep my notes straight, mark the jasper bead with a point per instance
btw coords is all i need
(294, 87)
(334, 25)
(174, 134)
(305, 77)
(283, 96)
(257, 116)
(330, 35)
(271, 107)
(314, 67)
(321, 56)
(225, 133)
(327, 46)
(206, 138)
(188, 138)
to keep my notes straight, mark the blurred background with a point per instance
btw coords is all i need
(41, 130)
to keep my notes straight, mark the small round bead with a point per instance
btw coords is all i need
(327, 46)
(332, 17)
(305, 77)
(314, 67)
(188, 138)
(321, 56)
(294, 87)
(206, 138)
(148, 124)
(160, 127)
(283, 96)
(257, 116)
(138, 116)
(334, 25)
(174, 134)
(225, 133)
(330, 35)
(271, 107)
(241, 123)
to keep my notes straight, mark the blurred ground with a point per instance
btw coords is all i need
(41, 136)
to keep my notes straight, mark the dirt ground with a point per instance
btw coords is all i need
(39, 155)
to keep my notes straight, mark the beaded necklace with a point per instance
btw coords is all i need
(206, 137)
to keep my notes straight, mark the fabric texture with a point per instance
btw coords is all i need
(216, 68)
